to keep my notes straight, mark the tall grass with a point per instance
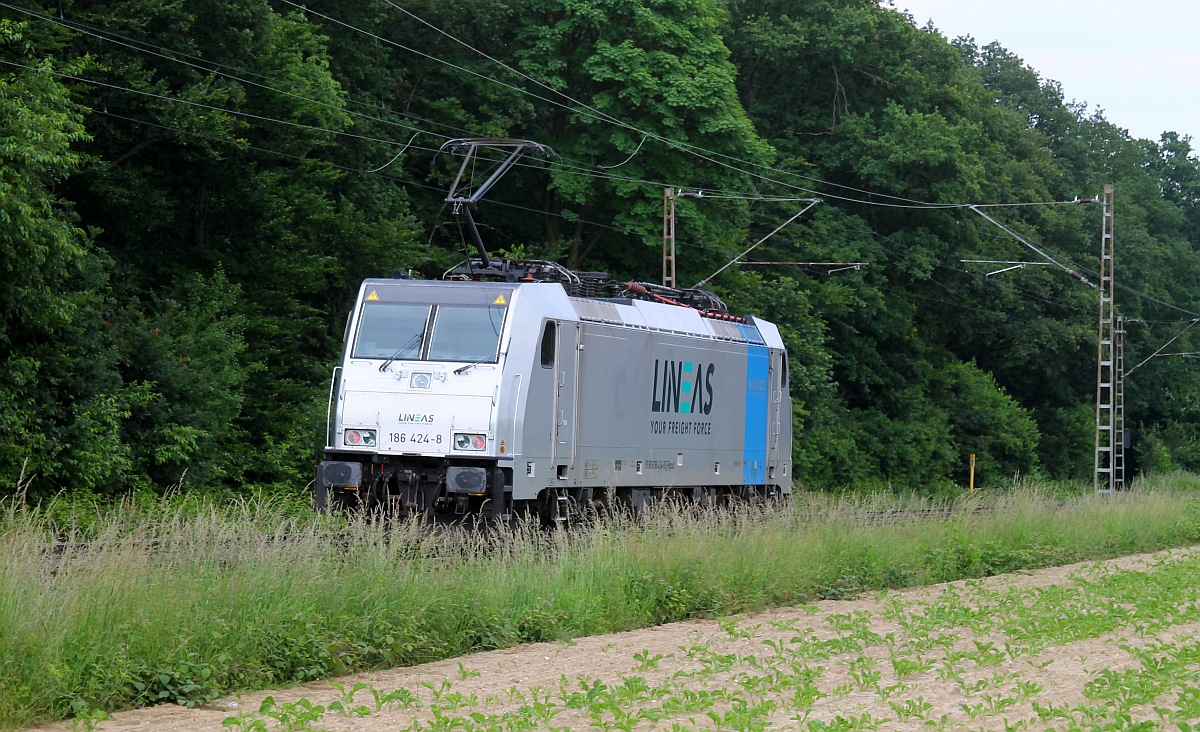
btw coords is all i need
(183, 604)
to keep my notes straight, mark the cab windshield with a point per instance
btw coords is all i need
(421, 332)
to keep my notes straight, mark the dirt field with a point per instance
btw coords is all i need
(942, 657)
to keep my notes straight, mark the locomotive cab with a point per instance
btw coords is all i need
(412, 414)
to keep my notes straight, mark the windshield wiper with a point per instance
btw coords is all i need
(468, 367)
(408, 344)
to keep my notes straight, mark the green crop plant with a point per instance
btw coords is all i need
(862, 670)
(861, 723)
(730, 626)
(987, 654)
(244, 722)
(345, 704)
(397, 697)
(906, 667)
(988, 705)
(743, 715)
(911, 709)
(647, 661)
(891, 690)
(297, 716)
(688, 701)
(1028, 689)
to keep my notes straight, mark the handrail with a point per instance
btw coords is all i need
(329, 408)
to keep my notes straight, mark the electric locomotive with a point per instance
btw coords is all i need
(515, 387)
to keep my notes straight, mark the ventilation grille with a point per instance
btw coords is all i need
(604, 312)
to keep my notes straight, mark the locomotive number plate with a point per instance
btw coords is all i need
(415, 438)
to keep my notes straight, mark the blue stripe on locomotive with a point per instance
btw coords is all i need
(754, 445)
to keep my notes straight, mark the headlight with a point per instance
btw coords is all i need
(470, 442)
(419, 380)
(360, 438)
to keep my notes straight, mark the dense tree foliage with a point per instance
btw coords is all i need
(190, 192)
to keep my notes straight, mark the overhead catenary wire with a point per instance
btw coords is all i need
(291, 123)
(143, 46)
(1151, 298)
(581, 170)
(397, 155)
(1119, 376)
(204, 65)
(645, 135)
(572, 168)
(201, 105)
(809, 264)
(961, 306)
(881, 239)
(577, 168)
(1176, 337)
(632, 155)
(760, 241)
(215, 67)
(1035, 248)
(673, 143)
(588, 111)
(968, 303)
(240, 144)
(686, 147)
(1043, 251)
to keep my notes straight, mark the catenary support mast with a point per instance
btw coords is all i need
(1110, 388)
(668, 273)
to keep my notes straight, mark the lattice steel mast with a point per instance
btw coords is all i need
(1110, 387)
(668, 273)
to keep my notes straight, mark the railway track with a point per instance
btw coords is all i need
(341, 539)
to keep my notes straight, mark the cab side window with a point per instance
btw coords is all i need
(549, 341)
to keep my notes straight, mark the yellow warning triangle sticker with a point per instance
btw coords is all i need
(499, 300)
(373, 296)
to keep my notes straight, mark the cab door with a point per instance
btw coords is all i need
(779, 415)
(566, 398)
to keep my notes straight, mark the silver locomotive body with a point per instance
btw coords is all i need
(485, 399)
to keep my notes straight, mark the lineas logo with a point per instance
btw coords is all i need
(415, 419)
(682, 387)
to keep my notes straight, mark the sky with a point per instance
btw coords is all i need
(1138, 61)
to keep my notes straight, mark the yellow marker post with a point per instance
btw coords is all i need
(972, 472)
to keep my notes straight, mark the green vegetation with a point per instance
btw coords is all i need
(182, 603)
(190, 193)
(801, 670)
